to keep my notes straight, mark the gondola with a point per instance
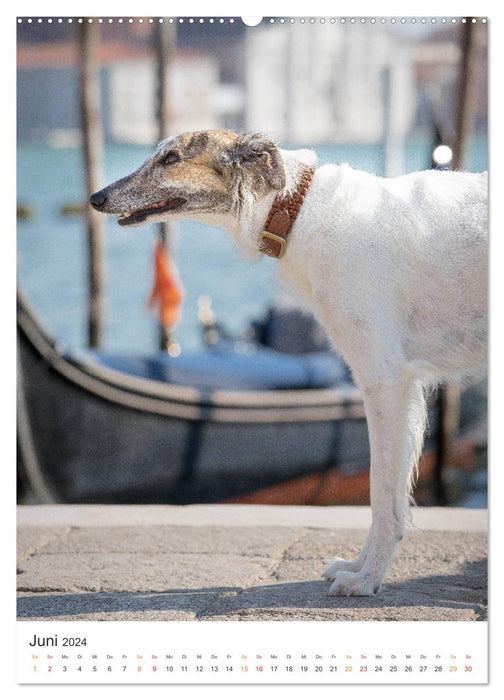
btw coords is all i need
(208, 426)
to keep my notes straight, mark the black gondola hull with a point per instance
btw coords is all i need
(89, 434)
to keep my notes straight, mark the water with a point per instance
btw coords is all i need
(52, 251)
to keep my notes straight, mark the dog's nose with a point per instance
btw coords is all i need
(98, 199)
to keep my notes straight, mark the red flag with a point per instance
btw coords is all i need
(167, 291)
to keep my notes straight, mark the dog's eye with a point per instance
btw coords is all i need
(170, 158)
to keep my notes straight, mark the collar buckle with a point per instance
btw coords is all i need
(272, 252)
(282, 216)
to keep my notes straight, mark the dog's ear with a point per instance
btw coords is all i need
(259, 156)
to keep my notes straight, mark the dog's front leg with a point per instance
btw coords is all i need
(395, 413)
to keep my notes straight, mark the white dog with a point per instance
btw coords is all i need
(394, 269)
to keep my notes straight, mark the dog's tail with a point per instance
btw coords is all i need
(417, 423)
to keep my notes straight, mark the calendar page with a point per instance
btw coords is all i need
(252, 379)
(256, 652)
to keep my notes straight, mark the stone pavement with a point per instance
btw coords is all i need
(240, 562)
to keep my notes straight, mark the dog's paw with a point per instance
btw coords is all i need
(348, 583)
(338, 565)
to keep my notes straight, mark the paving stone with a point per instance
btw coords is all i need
(209, 571)
(254, 542)
(139, 572)
(30, 539)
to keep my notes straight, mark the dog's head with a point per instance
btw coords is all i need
(194, 174)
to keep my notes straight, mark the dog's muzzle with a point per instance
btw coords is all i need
(99, 200)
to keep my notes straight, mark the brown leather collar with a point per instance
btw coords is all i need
(282, 215)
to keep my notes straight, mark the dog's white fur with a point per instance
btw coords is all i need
(396, 271)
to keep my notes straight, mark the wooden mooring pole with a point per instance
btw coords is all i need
(466, 98)
(165, 42)
(449, 396)
(93, 149)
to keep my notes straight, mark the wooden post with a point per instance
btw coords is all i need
(165, 42)
(450, 394)
(466, 95)
(93, 149)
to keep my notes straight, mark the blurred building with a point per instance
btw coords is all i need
(132, 91)
(323, 82)
(301, 82)
(48, 98)
(204, 86)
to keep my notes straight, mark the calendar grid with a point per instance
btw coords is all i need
(237, 652)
